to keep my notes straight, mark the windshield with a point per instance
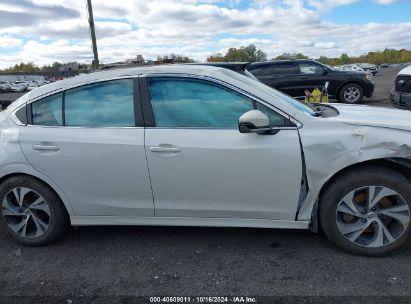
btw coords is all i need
(270, 91)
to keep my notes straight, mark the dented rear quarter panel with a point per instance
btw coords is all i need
(13, 161)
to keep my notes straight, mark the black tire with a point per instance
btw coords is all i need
(58, 221)
(342, 94)
(349, 181)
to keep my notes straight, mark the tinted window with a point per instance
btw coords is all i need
(310, 68)
(193, 103)
(300, 106)
(276, 120)
(48, 111)
(105, 104)
(273, 69)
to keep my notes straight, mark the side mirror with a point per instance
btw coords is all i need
(324, 72)
(253, 121)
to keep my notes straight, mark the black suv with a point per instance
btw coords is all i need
(293, 77)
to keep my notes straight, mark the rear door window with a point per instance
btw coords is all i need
(48, 111)
(105, 104)
(273, 69)
(102, 104)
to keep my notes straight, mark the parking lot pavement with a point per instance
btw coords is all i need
(384, 82)
(111, 261)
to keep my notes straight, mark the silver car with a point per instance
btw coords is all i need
(201, 146)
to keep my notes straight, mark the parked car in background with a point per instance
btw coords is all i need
(239, 67)
(400, 95)
(5, 87)
(369, 67)
(31, 85)
(293, 77)
(202, 146)
(352, 67)
(18, 86)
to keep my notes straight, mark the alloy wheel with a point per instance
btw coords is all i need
(373, 216)
(26, 212)
(352, 94)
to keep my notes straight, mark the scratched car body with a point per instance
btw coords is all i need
(202, 146)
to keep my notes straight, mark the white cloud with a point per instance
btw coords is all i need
(325, 5)
(6, 41)
(190, 27)
(385, 1)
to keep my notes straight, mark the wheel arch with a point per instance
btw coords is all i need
(67, 208)
(401, 165)
(348, 82)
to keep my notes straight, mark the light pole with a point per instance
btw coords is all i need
(92, 34)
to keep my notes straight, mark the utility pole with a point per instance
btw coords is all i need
(92, 34)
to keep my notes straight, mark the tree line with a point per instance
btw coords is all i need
(249, 53)
(377, 57)
(31, 67)
(175, 58)
(252, 54)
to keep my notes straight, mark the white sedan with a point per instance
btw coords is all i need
(201, 146)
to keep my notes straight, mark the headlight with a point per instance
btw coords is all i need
(368, 77)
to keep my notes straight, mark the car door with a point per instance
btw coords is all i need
(280, 75)
(90, 141)
(202, 166)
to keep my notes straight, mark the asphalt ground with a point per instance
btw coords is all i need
(115, 264)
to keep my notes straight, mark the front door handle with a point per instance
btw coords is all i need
(45, 148)
(165, 148)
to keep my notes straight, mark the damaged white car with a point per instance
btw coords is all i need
(202, 146)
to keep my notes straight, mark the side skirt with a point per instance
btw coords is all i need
(185, 221)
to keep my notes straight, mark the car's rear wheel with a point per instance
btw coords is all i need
(351, 93)
(31, 212)
(367, 211)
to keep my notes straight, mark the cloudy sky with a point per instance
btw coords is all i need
(44, 31)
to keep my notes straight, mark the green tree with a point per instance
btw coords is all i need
(245, 54)
(345, 59)
(286, 56)
(23, 67)
(300, 56)
(215, 58)
(283, 56)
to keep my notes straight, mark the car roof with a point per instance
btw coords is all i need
(235, 66)
(278, 61)
(219, 73)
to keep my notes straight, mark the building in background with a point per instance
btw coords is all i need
(138, 60)
(72, 66)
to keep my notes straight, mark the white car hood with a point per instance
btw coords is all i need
(374, 116)
(405, 71)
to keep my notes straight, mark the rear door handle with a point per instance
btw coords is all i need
(165, 148)
(45, 148)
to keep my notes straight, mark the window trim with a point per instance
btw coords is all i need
(138, 115)
(149, 114)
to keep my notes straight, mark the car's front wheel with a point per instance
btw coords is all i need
(351, 93)
(31, 212)
(367, 211)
